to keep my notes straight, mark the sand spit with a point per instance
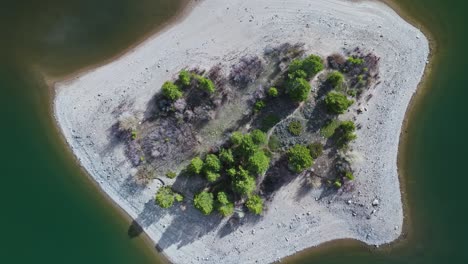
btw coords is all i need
(223, 31)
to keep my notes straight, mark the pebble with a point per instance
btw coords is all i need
(375, 202)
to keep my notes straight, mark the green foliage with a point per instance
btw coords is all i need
(212, 176)
(349, 175)
(269, 121)
(315, 149)
(328, 130)
(204, 202)
(310, 65)
(337, 184)
(352, 92)
(355, 60)
(212, 163)
(178, 197)
(171, 174)
(205, 84)
(297, 74)
(274, 143)
(243, 183)
(273, 92)
(236, 137)
(337, 103)
(298, 89)
(165, 197)
(259, 105)
(258, 137)
(196, 165)
(134, 134)
(231, 173)
(225, 207)
(255, 204)
(258, 163)
(185, 77)
(345, 133)
(335, 79)
(171, 91)
(295, 127)
(226, 157)
(299, 158)
(246, 147)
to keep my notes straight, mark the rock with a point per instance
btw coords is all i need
(375, 202)
(349, 202)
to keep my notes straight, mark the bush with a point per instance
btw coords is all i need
(349, 175)
(255, 204)
(328, 130)
(274, 143)
(298, 89)
(310, 65)
(335, 79)
(212, 176)
(165, 197)
(171, 91)
(243, 183)
(258, 137)
(196, 165)
(337, 103)
(178, 197)
(171, 174)
(246, 147)
(273, 92)
(355, 60)
(345, 133)
(299, 158)
(259, 105)
(226, 157)
(269, 121)
(297, 74)
(225, 207)
(184, 77)
(236, 137)
(295, 128)
(258, 163)
(206, 84)
(315, 149)
(212, 163)
(204, 202)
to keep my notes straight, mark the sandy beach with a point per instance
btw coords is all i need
(215, 32)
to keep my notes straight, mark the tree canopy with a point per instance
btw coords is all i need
(299, 158)
(204, 202)
(298, 89)
(258, 163)
(165, 197)
(196, 165)
(337, 103)
(255, 204)
(171, 91)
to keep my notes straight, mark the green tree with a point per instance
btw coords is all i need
(184, 77)
(204, 202)
(246, 147)
(258, 163)
(165, 197)
(335, 79)
(236, 137)
(298, 89)
(212, 163)
(345, 133)
(243, 183)
(212, 176)
(337, 103)
(255, 204)
(295, 127)
(226, 157)
(299, 158)
(206, 84)
(196, 165)
(259, 105)
(310, 66)
(273, 92)
(258, 137)
(315, 149)
(225, 207)
(171, 91)
(171, 174)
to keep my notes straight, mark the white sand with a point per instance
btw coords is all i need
(220, 31)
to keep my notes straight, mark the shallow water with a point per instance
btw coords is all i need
(52, 213)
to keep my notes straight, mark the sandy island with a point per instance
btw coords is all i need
(223, 31)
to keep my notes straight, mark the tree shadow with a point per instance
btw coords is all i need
(235, 221)
(150, 214)
(277, 176)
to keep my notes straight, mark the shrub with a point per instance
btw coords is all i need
(178, 197)
(243, 183)
(328, 130)
(337, 103)
(231, 172)
(310, 65)
(355, 60)
(204, 202)
(295, 127)
(255, 204)
(335, 79)
(212, 176)
(258, 163)
(171, 174)
(184, 77)
(212, 163)
(337, 184)
(298, 89)
(274, 143)
(299, 158)
(297, 74)
(258, 137)
(246, 147)
(315, 149)
(273, 92)
(196, 165)
(171, 91)
(345, 133)
(349, 175)
(269, 121)
(236, 137)
(165, 197)
(352, 92)
(225, 207)
(226, 157)
(205, 84)
(259, 105)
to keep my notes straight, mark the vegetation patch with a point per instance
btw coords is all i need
(295, 128)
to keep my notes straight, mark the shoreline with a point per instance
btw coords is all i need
(167, 27)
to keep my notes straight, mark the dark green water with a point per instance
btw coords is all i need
(51, 213)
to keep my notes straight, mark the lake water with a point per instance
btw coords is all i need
(52, 213)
